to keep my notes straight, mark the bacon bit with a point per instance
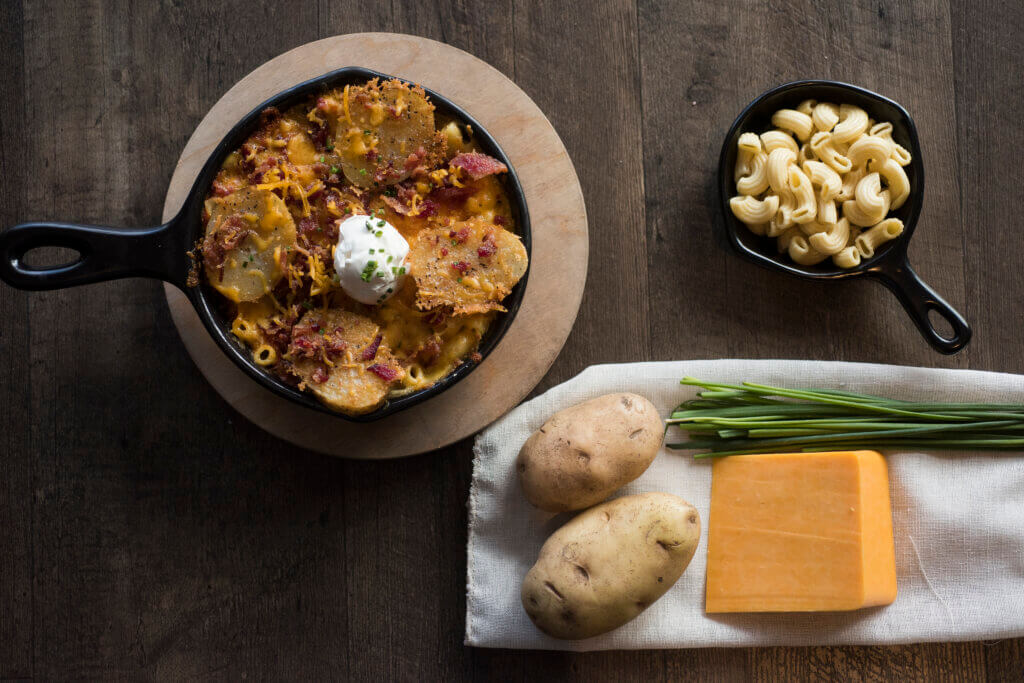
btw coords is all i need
(397, 206)
(415, 159)
(256, 177)
(444, 251)
(248, 151)
(460, 235)
(453, 196)
(328, 106)
(331, 231)
(406, 192)
(461, 266)
(228, 235)
(371, 155)
(319, 134)
(430, 352)
(427, 209)
(319, 375)
(475, 357)
(335, 345)
(370, 352)
(435, 318)
(268, 116)
(486, 249)
(381, 174)
(219, 189)
(279, 334)
(500, 220)
(304, 347)
(307, 225)
(321, 170)
(478, 165)
(384, 372)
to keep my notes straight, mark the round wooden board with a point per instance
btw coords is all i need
(558, 265)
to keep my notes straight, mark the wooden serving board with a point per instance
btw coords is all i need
(558, 265)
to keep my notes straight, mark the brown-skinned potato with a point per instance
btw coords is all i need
(585, 453)
(609, 563)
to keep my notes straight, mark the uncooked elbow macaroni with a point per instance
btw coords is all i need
(822, 182)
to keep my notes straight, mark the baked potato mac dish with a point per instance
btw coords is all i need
(361, 246)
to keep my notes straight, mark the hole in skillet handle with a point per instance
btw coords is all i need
(889, 265)
(99, 253)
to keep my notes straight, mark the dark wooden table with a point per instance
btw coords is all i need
(148, 531)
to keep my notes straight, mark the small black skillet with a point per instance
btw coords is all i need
(890, 264)
(107, 253)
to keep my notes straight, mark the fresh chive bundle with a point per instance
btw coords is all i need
(731, 419)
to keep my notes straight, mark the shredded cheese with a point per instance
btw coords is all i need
(321, 282)
(288, 182)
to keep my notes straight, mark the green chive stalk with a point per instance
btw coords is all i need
(741, 419)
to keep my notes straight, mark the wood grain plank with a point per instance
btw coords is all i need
(986, 41)
(588, 87)
(927, 662)
(125, 586)
(16, 465)
(700, 68)
(173, 539)
(406, 520)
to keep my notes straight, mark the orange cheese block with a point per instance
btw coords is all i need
(800, 532)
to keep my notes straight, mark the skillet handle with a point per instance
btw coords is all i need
(103, 254)
(919, 300)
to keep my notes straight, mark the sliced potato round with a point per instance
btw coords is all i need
(245, 236)
(384, 132)
(470, 266)
(357, 382)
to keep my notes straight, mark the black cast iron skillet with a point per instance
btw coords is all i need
(107, 253)
(889, 265)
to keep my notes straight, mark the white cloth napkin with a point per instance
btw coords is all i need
(959, 520)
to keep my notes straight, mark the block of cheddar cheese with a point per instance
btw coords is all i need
(800, 532)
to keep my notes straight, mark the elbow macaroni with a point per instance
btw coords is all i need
(750, 209)
(822, 182)
(869, 240)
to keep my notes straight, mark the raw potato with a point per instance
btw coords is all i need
(585, 453)
(609, 564)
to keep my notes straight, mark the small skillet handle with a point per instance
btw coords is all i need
(919, 299)
(104, 254)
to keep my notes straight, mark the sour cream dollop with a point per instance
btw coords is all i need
(370, 258)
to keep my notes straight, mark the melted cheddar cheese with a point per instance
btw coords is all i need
(318, 161)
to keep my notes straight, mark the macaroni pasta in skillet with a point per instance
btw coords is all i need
(361, 247)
